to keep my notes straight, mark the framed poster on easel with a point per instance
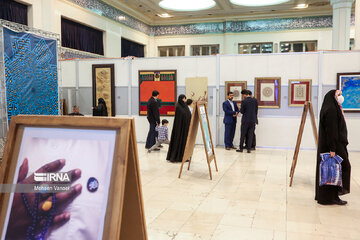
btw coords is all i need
(199, 116)
(71, 178)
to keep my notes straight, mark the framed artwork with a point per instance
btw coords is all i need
(74, 170)
(163, 81)
(268, 92)
(349, 84)
(299, 92)
(197, 88)
(236, 87)
(104, 85)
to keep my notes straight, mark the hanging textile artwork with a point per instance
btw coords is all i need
(30, 74)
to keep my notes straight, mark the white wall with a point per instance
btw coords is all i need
(277, 127)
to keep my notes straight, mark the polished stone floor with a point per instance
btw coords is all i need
(249, 198)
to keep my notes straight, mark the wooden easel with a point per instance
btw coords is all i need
(124, 217)
(199, 115)
(307, 106)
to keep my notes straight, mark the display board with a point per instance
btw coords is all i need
(163, 81)
(349, 84)
(99, 199)
(104, 85)
(31, 74)
(199, 115)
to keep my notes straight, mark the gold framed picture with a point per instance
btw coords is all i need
(268, 92)
(236, 87)
(299, 92)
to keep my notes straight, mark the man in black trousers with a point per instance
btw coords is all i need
(153, 116)
(249, 110)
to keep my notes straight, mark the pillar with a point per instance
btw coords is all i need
(341, 24)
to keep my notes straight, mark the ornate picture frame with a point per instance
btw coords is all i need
(103, 77)
(236, 87)
(299, 92)
(349, 84)
(268, 92)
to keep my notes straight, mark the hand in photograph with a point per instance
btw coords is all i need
(20, 218)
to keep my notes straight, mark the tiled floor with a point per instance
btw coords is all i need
(249, 198)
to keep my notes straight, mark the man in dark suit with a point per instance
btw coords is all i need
(153, 116)
(253, 146)
(249, 110)
(231, 111)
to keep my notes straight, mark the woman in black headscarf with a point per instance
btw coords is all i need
(333, 139)
(180, 130)
(100, 109)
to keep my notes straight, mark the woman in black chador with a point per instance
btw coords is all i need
(180, 130)
(333, 139)
(100, 109)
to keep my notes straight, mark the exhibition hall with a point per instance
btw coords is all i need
(180, 119)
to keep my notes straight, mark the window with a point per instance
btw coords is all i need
(301, 46)
(13, 11)
(202, 50)
(247, 48)
(78, 36)
(171, 51)
(130, 48)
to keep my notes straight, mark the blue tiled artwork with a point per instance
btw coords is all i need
(350, 86)
(275, 24)
(30, 74)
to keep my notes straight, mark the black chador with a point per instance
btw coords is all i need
(332, 138)
(180, 131)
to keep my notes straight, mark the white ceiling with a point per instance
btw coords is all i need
(147, 10)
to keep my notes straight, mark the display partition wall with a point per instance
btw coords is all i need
(3, 102)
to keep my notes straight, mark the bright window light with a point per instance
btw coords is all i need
(256, 3)
(187, 5)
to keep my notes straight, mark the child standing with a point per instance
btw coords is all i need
(162, 135)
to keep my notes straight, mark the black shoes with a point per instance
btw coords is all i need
(248, 151)
(239, 150)
(233, 147)
(160, 146)
(340, 202)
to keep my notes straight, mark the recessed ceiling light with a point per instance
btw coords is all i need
(187, 5)
(164, 15)
(121, 18)
(256, 3)
(302, 6)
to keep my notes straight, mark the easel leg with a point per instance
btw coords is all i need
(209, 169)
(215, 164)
(189, 163)
(181, 168)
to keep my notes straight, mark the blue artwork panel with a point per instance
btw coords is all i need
(350, 86)
(30, 74)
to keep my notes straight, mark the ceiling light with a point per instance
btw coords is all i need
(164, 15)
(187, 5)
(121, 18)
(256, 3)
(302, 5)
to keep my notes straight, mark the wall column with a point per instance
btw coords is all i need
(341, 24)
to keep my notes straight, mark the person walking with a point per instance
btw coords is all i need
(231, 111)
(153, 117)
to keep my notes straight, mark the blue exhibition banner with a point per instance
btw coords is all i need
(30, 74)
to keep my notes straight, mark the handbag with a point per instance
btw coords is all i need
(330, 170)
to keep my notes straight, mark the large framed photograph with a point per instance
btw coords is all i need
(268, 92)
(349, 84)
(70, 176)
(163, 81)
(103, 77)
(236, 87)
(299, 92)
